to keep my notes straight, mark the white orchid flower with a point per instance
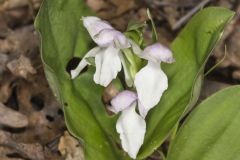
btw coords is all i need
(151, 81)
(130, 125)
(107, 53)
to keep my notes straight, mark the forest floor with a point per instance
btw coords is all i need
(31, 121)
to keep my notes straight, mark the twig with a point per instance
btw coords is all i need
(184, 19)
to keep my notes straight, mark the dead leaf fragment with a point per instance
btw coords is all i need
(3, 61)
(210, 87)
(5, 90)
(11, 4)
(109, 93)
(96, 5)
(11, 118)
(27, 151)
(123, 5)
(236, 74)
(70, 147)
(21, 67)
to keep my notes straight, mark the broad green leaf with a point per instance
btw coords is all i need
(191, 50)
(62, 38)
(211, 132)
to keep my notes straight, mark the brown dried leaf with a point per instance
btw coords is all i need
(96, 5)
(32, 151)
(4, 30)
(6, 46)
(123, 5)
(171, 12)
(109, 92)
(11, 4)
(11, 118)
(21, 67)
(112, 8)
(29, 151)
(36, 101)
(210, 87)
(236, 74)
(230, 39)
(70, 147)
(5, 91)
(3, 61)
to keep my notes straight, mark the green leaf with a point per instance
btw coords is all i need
(136, 36)
(135, 31)
(191, 50)
(62, 38)
(211, 132)
(136, 26)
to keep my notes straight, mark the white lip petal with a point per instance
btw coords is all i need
(122, 101)
(94, 25)
(150, 84)
(108, 64)
(131, 128)
(84, 63)
(158, 53)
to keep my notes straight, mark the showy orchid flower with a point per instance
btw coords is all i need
(130, 125)
(151, 81)
(107, 58)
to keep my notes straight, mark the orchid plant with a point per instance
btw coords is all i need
(157, 86)
(150, 81)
